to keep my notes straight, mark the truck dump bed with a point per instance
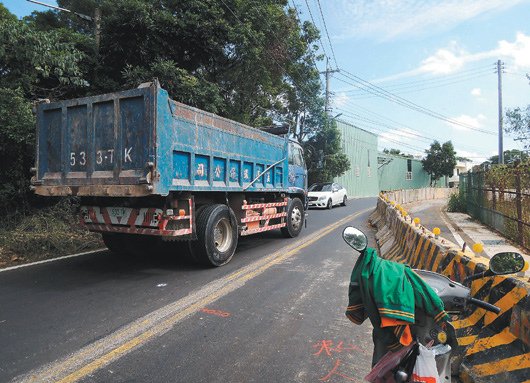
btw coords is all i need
(139, 142)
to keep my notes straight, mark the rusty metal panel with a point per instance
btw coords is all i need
(100, 140)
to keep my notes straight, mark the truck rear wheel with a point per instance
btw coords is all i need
(295, 218)
(217, 236)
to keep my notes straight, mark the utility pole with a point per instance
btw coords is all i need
(97, 27)
(328, 72)
(499, 81)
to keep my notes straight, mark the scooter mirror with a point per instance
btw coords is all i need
(507, 263)
(355, 238)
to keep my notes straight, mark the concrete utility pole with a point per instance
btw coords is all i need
(499, 80)
(328, 72)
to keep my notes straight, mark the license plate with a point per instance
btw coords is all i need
(119, 215)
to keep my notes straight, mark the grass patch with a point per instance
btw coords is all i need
(45, 233)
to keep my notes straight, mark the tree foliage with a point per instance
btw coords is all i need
(440, 160)
(323, 154)
(518, 124)
(39, 63)
(33, 65)
(397, 152)
(251, 61)
(510, 156)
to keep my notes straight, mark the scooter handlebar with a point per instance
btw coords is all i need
(484, 305)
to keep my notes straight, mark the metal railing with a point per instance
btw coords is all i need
(501, 202)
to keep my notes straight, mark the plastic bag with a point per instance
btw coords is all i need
(425, 370)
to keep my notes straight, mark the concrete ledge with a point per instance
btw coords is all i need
(492, 348)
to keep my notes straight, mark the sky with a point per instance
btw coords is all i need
(415, 71)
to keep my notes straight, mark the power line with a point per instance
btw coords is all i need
(297, 12)
(425, 84)
(408, 132)
(327, 34)
(380, 92)
(314, 23)
(419, 89)
(424, 74)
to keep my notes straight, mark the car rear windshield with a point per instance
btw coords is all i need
(320, 187)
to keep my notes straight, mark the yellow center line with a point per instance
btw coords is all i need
(150, 327)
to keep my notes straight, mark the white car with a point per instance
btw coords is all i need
(327, 195)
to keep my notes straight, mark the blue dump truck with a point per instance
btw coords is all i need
(154, 173)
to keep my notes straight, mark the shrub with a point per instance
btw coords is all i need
(457, 203)
(45, 233)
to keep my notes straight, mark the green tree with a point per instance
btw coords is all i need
(42, 64)
(397, 152)
(440, 160)
(17, 137)
(33, 65)
(518, 124)
(323, 154)
(510, 156)
(251, 61)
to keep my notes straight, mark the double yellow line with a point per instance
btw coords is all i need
(93, 357)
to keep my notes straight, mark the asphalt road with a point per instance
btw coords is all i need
(275, 313)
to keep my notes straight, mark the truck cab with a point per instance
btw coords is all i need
(297, 169)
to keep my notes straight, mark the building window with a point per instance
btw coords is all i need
(357, 171)
(369, 171)
(408, 175)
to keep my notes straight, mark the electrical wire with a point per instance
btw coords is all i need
(407, 130)
(314, 23)
(327, 34)
(380, 92)
(434, 82)
(419, 89)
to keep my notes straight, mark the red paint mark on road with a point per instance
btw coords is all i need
(335, 372)
(218, 313)
(325, 347)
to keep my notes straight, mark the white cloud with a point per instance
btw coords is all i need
(401, 139)
(452, 58)
(476, 158)
(519, 50)
(340, 100)
(473, 122)
(477, 92)
(391, 19)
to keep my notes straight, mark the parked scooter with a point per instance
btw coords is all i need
(438, 335)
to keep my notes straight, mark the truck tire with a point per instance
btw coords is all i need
(217, 236)
(295, 218)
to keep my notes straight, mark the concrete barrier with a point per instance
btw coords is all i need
(491, 348)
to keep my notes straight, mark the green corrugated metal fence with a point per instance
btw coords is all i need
(361, 148)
